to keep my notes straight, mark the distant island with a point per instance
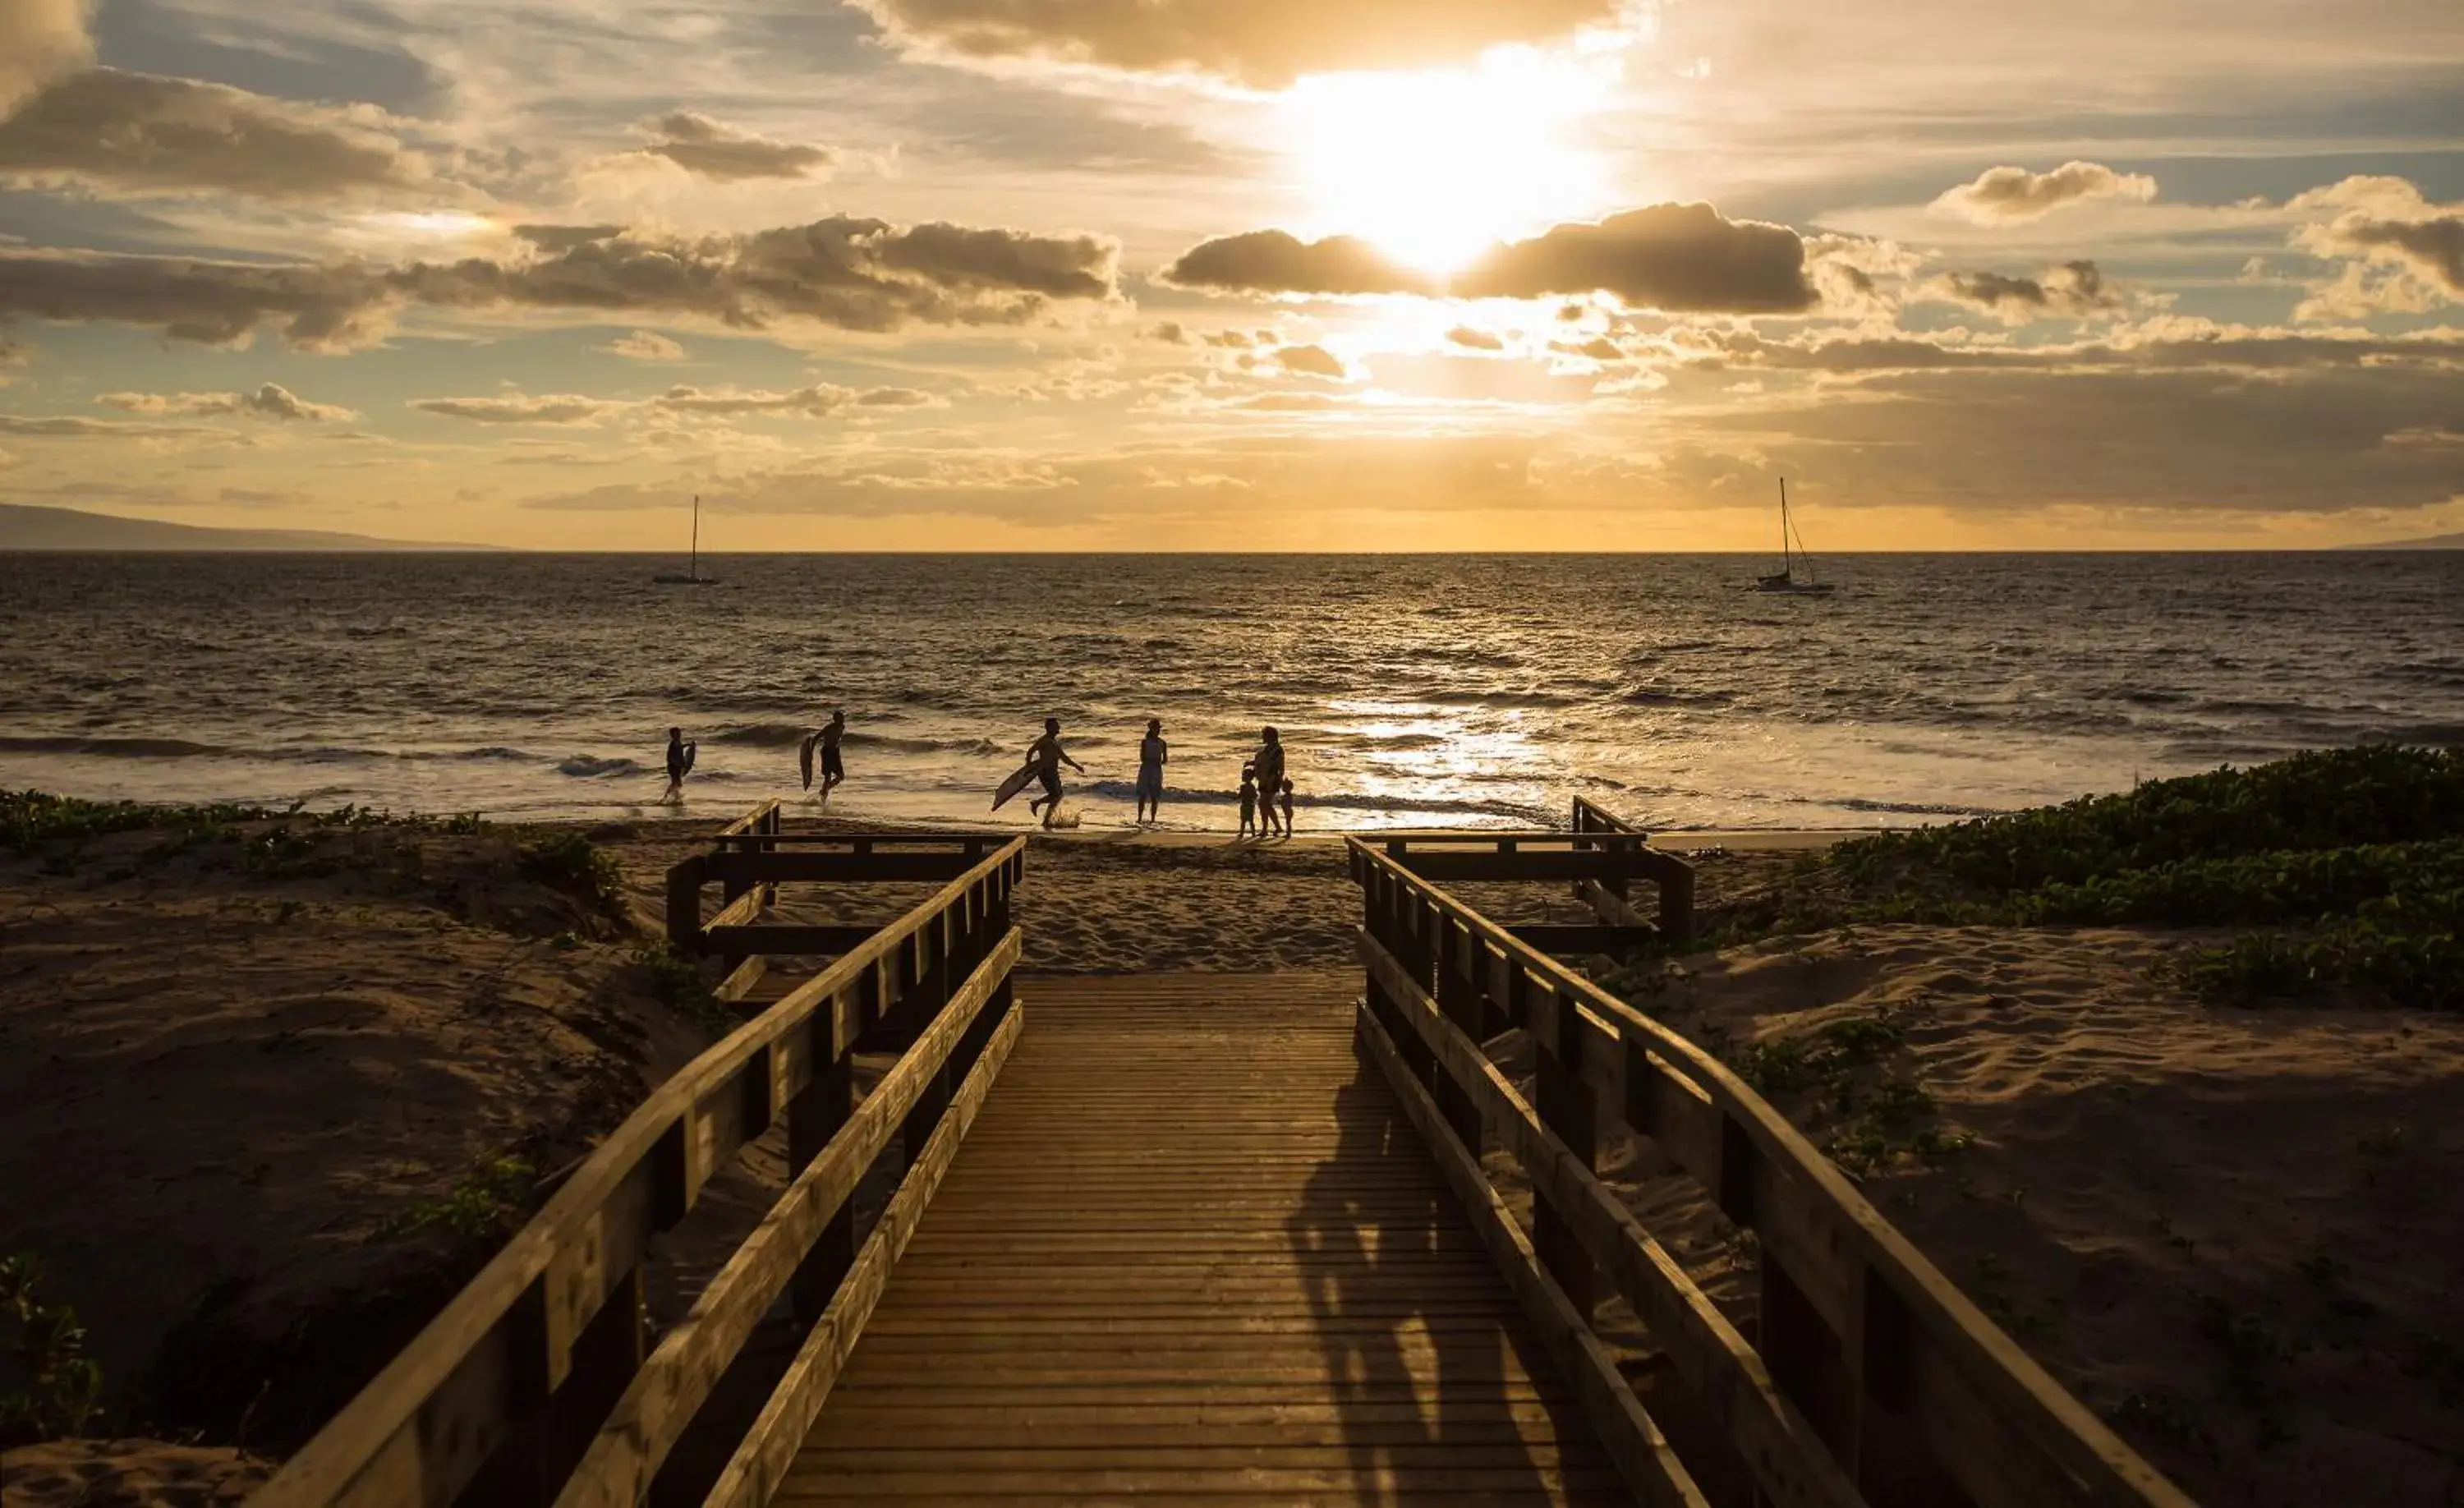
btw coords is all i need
(28, 528)
(2429, 542)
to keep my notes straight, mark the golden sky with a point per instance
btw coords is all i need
(1267, 275)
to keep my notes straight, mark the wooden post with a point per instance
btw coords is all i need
(1459, 998)
(1565, 1107)
(1677, 902)
(684, 906)
(813, 1117)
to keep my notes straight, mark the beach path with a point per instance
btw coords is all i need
(1192, 1248)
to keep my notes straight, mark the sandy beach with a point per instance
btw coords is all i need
(2182, 1210)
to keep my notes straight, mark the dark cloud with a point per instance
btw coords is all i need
(840, 272)
(1312, 360)
(1266, 43)
(553, 238)
(2073, 290)
(314, 308)
(2010, 195)
(715, 149)
(268, 401)
(1681, 258)
(1279, 262)
(519, 408)
(2433, 247)
(38, 39)
(136, 131)
(2226, 348)
(1475, 340)
(1170, 331)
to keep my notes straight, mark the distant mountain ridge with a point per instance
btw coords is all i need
(25, 527)
(2425, 542)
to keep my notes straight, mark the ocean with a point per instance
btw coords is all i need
(1412, 690)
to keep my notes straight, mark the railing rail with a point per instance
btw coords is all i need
(1869, 1372)
(1609, 898)
(537, 1365)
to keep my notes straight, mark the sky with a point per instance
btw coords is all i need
(1273, 274)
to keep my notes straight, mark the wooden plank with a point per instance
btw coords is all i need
(691, 1358)
(1560, 865)
(1583, 937)
(783, 939)
(769, 1448)
(744, 981)
(1643, 1455)
(788, 866)
(421, 1429)
(2047, 1452)
(1790, 1462)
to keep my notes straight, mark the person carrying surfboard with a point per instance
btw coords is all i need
(833, 765)
(680, 763)
(1046, 757)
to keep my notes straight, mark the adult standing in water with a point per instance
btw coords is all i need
(1152, 751)
(1268, 763)
(680, 763)
(833, 763)
(1046, 757)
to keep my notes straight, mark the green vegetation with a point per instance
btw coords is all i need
(2348, 865)
(486, 1201)
(576, 866)
(678, 982)
(49, 1387)
(1867, 1116)
(35, 820)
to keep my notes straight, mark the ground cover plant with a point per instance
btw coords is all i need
(2342, 870)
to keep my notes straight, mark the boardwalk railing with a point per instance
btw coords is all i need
(1608, 898)
(535, 1384)
(1870, 1372)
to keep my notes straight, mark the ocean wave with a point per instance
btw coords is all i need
(588, 767)
(111, 748)
(131, 748)
(1341, 800)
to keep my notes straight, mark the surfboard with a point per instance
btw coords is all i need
(804, 758)
(1017, 782)
(691, 750)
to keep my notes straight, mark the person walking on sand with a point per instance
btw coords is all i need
(1046, 757)
(833, 763)
(1152, 753)
(680, 763)
(1268, 763)
(1248, 799)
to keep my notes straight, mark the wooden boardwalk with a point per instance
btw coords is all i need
(1192, 1250)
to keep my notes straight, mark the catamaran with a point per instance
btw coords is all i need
(692, 576)
(1792, 555)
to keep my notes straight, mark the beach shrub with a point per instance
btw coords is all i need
(486, 1201)
(49, 1387)
(578, 866)
(677, 982)
(2348, 864)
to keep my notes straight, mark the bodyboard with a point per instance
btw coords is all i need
(1016, 783)
(691, 750)
(805, 760)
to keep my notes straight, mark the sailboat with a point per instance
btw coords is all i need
(692, 576)
(1791, 554)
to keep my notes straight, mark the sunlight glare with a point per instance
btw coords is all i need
(1433, 165)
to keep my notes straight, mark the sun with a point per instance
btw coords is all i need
(1433, 165)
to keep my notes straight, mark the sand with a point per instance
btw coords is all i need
(226, 1093)
(2232, 1233)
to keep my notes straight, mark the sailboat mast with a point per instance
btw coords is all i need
(1787, 560)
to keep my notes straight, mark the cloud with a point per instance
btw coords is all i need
(315, 308)
(1679, 258)
(817, 401)
(2417, 247)
(2071, 289)
(269, 400)
(136, 131)
(2011, 195)
(69, 427)
(38, 39)
(519, 408)
(1264, 43)
(1475, 340)
(1170, 331)
(840, 272)
(1312, 360)
(644, 346)
(731, 154)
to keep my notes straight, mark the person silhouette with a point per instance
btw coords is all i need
(1047, 756)
(1152, 751)
(680, 763)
